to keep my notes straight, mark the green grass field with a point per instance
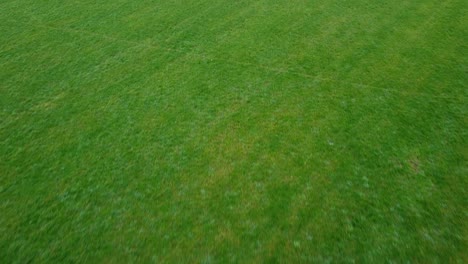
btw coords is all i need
(219, 131)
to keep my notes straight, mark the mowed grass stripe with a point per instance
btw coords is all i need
(354, 55)
(204, 56)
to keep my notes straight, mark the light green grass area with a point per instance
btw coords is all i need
(222, 131)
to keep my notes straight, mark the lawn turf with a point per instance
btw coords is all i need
(233, 131)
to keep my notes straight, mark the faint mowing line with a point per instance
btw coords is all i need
(319, 78)
(248, 64)
(193, 18)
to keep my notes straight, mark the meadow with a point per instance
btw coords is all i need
(214, 131)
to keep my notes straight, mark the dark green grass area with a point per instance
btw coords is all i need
(222, 131)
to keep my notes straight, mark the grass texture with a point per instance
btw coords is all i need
(219, 131)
